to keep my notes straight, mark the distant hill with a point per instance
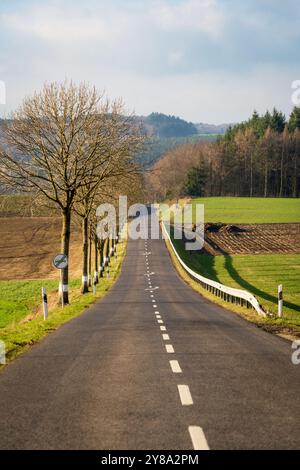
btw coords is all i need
(166, 132)
(203, 128)
(156, 147)
(161, 126)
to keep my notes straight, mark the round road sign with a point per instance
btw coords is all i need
(60, 261)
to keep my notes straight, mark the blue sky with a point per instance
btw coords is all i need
(205, 60)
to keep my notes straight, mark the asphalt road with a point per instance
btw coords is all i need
(105, 380)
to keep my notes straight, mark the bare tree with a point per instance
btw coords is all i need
(56, 146)
(123, 140)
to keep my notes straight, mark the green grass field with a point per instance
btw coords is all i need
(21, 298)
(258, 274)
(246, 210)
(21, 320)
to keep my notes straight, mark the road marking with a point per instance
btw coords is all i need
(169, 348)
(159, 321)
(198, 438)
(158, 316)
(185, 395)
(166, 337)
(163, 328)
(156, 312)
(151, 289)
(175, 367)
(153, 300)
(151, 295)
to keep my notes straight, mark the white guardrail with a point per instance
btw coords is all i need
(226, 293)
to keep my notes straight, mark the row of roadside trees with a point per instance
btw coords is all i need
(73, 149)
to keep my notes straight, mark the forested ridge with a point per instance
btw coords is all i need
(259, 157)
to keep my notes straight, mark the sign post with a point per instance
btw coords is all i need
(60, 261)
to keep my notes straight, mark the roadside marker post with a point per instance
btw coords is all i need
(45, 303)
(60, 290)
(280, 301)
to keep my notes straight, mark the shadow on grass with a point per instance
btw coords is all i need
(204, 263)
(201, 262)
(251, 288)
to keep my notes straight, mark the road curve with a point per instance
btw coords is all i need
(165, 369)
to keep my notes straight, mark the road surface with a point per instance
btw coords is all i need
(159, 370)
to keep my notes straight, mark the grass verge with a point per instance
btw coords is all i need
(26, 325)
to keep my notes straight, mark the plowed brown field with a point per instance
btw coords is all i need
(248, 239)
(28, 244)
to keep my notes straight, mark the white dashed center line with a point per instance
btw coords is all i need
(185, 395)
(175, 367)
(196, 432)
(169, 348)
(198, 438)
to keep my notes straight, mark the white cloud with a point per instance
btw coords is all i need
(60, 25)
(190, 15)
(208, 97)
(143, 52)
(175, 58)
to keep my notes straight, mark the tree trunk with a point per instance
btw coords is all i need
(96, 278)
(90, 260)
(112, 245)
(266, 180)
(101, 249)
(107, 251)
(295, 177)
(84, 285)
(281, 171)
(251, 174)
(65, 248)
